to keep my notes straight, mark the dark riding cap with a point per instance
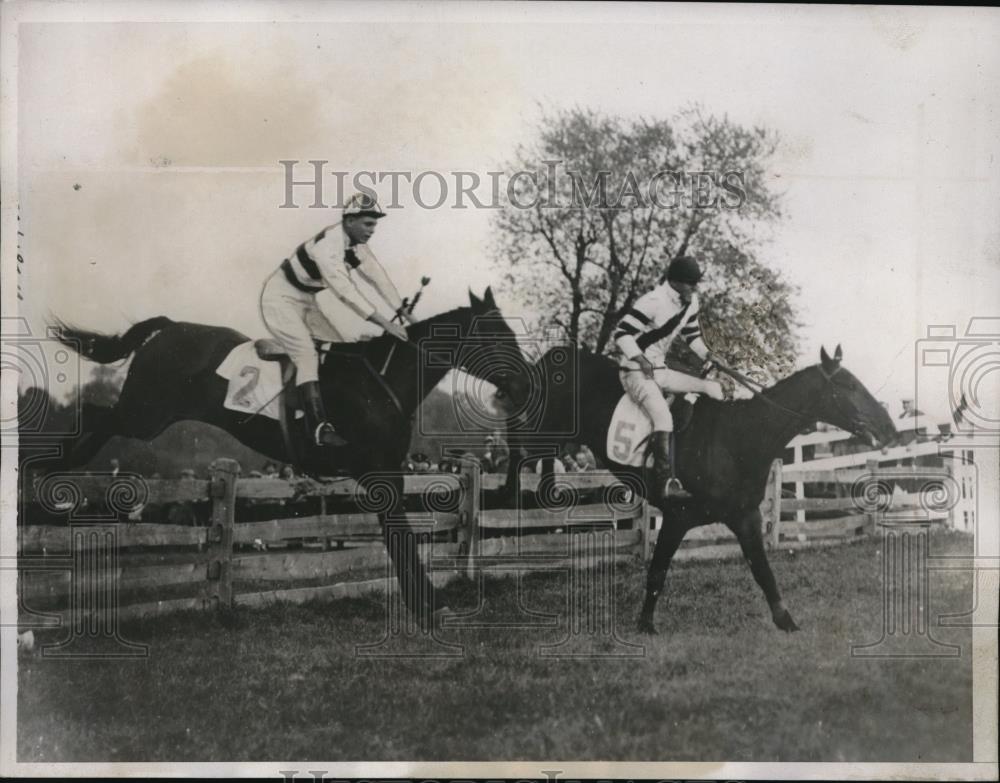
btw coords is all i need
(363, 205)
(684, 270)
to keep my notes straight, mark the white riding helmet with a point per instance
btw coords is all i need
(363, 204)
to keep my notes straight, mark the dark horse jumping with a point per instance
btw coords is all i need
(723, 456)
(372, 390)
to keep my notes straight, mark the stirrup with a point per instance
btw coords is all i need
(673, 487)
(326, 435)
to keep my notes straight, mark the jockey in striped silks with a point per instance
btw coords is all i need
(643, 336)
(313, 289)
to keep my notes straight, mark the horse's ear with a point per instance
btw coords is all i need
(488, 301)
(829, 365)
(475, 301)
(838, 354)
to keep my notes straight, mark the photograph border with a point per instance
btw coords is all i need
(14, 14)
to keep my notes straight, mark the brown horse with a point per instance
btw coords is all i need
(723, 456)
(173, 377)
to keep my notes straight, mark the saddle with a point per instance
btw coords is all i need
(293, 431)
(269, 349)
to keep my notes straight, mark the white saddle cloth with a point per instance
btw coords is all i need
(629, 427)
(254, 384)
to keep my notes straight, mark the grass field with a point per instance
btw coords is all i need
(719, 682)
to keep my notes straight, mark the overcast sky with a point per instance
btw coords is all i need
(148, 151)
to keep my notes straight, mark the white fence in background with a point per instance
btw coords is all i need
(846, 468)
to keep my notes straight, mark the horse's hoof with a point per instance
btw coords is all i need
(647, 627)
(785, 622)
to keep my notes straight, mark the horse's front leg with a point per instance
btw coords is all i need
(747, 528)
(675, 526)
(402, 545)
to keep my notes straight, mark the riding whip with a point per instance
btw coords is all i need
(406, 307)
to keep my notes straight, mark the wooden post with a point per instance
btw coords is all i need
(646, 536)
(963, 515)
(871, 517)
(800, 487)
(955, 473)
(771, 507)
(219, 587)
(325, 541)
(472, 479)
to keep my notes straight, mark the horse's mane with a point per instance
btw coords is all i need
(418, 330)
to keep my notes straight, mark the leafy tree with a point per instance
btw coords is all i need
(37, 411)
(613, 201)
(104, 386)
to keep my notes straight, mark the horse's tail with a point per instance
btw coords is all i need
(104, 348)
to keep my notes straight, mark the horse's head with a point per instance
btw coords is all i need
(844, 402)
(478, 340)
(493, 353)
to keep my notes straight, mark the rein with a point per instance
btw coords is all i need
(756, 389)
(758, 392)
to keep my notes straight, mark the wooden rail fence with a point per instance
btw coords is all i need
(228, 562)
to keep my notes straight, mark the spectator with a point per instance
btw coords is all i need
(271, 470)
(115, 467)
(421, 463)
(501, 452)
(569, 462)
(288, 473)
(495, 455)
(585, 458)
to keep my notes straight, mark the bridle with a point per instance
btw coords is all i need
(459, 364)
(498, 378)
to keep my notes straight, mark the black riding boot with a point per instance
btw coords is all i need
(661, 476)
(322, 431)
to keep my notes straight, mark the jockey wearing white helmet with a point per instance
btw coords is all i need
(308, 294)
